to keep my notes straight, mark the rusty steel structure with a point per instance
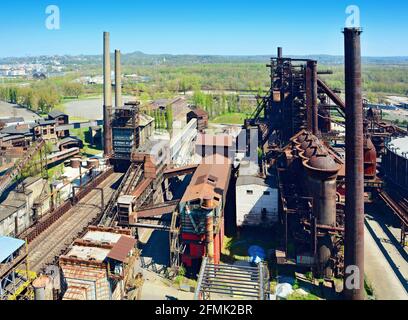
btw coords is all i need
(354, 238)
(323, 206)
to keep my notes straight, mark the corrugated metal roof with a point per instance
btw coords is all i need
(56, 113)
(203, 184)
(122, 248)
(8, 246)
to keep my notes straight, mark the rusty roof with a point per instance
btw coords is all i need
(122, 248)
(209, 180)
(199, 112)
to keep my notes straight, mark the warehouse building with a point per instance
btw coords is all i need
(256, 197)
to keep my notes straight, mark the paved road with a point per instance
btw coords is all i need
(60, 235)
(12, 110)
(386, 263)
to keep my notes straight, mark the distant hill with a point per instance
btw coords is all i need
(140, 58)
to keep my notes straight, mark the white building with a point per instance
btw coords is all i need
(256, 197)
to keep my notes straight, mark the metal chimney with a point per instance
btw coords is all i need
(107, 96)
(311, 97)
(118, 80)
(279, 55)
(354, 228)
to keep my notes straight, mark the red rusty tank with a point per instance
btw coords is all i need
(370, 158)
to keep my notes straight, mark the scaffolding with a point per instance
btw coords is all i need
(16, 278)
(232, 280)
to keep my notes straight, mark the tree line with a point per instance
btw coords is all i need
(41, 96)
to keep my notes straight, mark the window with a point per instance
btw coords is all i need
(250, 192)
(267, 193)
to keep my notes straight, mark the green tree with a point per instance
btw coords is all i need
(169, 118)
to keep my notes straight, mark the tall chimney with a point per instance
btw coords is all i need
(311, 97)
(118, 80)
(279, 55)
(354, 228)
(107, 97)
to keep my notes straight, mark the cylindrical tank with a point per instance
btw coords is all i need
(92, 163)
(43, 288)
(76, 163)
(207, 203)
(322, 173)
(370, 158)
(395, 162)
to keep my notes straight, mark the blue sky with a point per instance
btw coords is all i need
(201, 27)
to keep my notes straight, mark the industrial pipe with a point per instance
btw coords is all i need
(354, 211)
(118, 80)
(210, 237)
(107, 96)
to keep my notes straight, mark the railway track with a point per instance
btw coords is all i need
(45, 248)
(399, 205)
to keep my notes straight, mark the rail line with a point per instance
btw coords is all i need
(399, 205)
(47, 246)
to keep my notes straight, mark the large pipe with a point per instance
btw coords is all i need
(354, 227)
(107, 96)
(118, 80)
(210, 237)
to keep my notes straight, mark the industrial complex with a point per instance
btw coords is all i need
(293, 174)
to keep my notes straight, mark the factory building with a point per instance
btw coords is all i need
(256, 197)
(61, 119)
(99, 265)
(16, 213)
(201, 116)
(202, 213)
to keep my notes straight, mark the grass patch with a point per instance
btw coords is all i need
(230, 118)
(237, 248)
(298, 296)
(88, 149)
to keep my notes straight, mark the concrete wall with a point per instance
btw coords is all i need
(250, 206)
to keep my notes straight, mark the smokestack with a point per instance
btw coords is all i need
(311, 97)
(118, 80)
(279, 55)
(354, 233)
(107, 96)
